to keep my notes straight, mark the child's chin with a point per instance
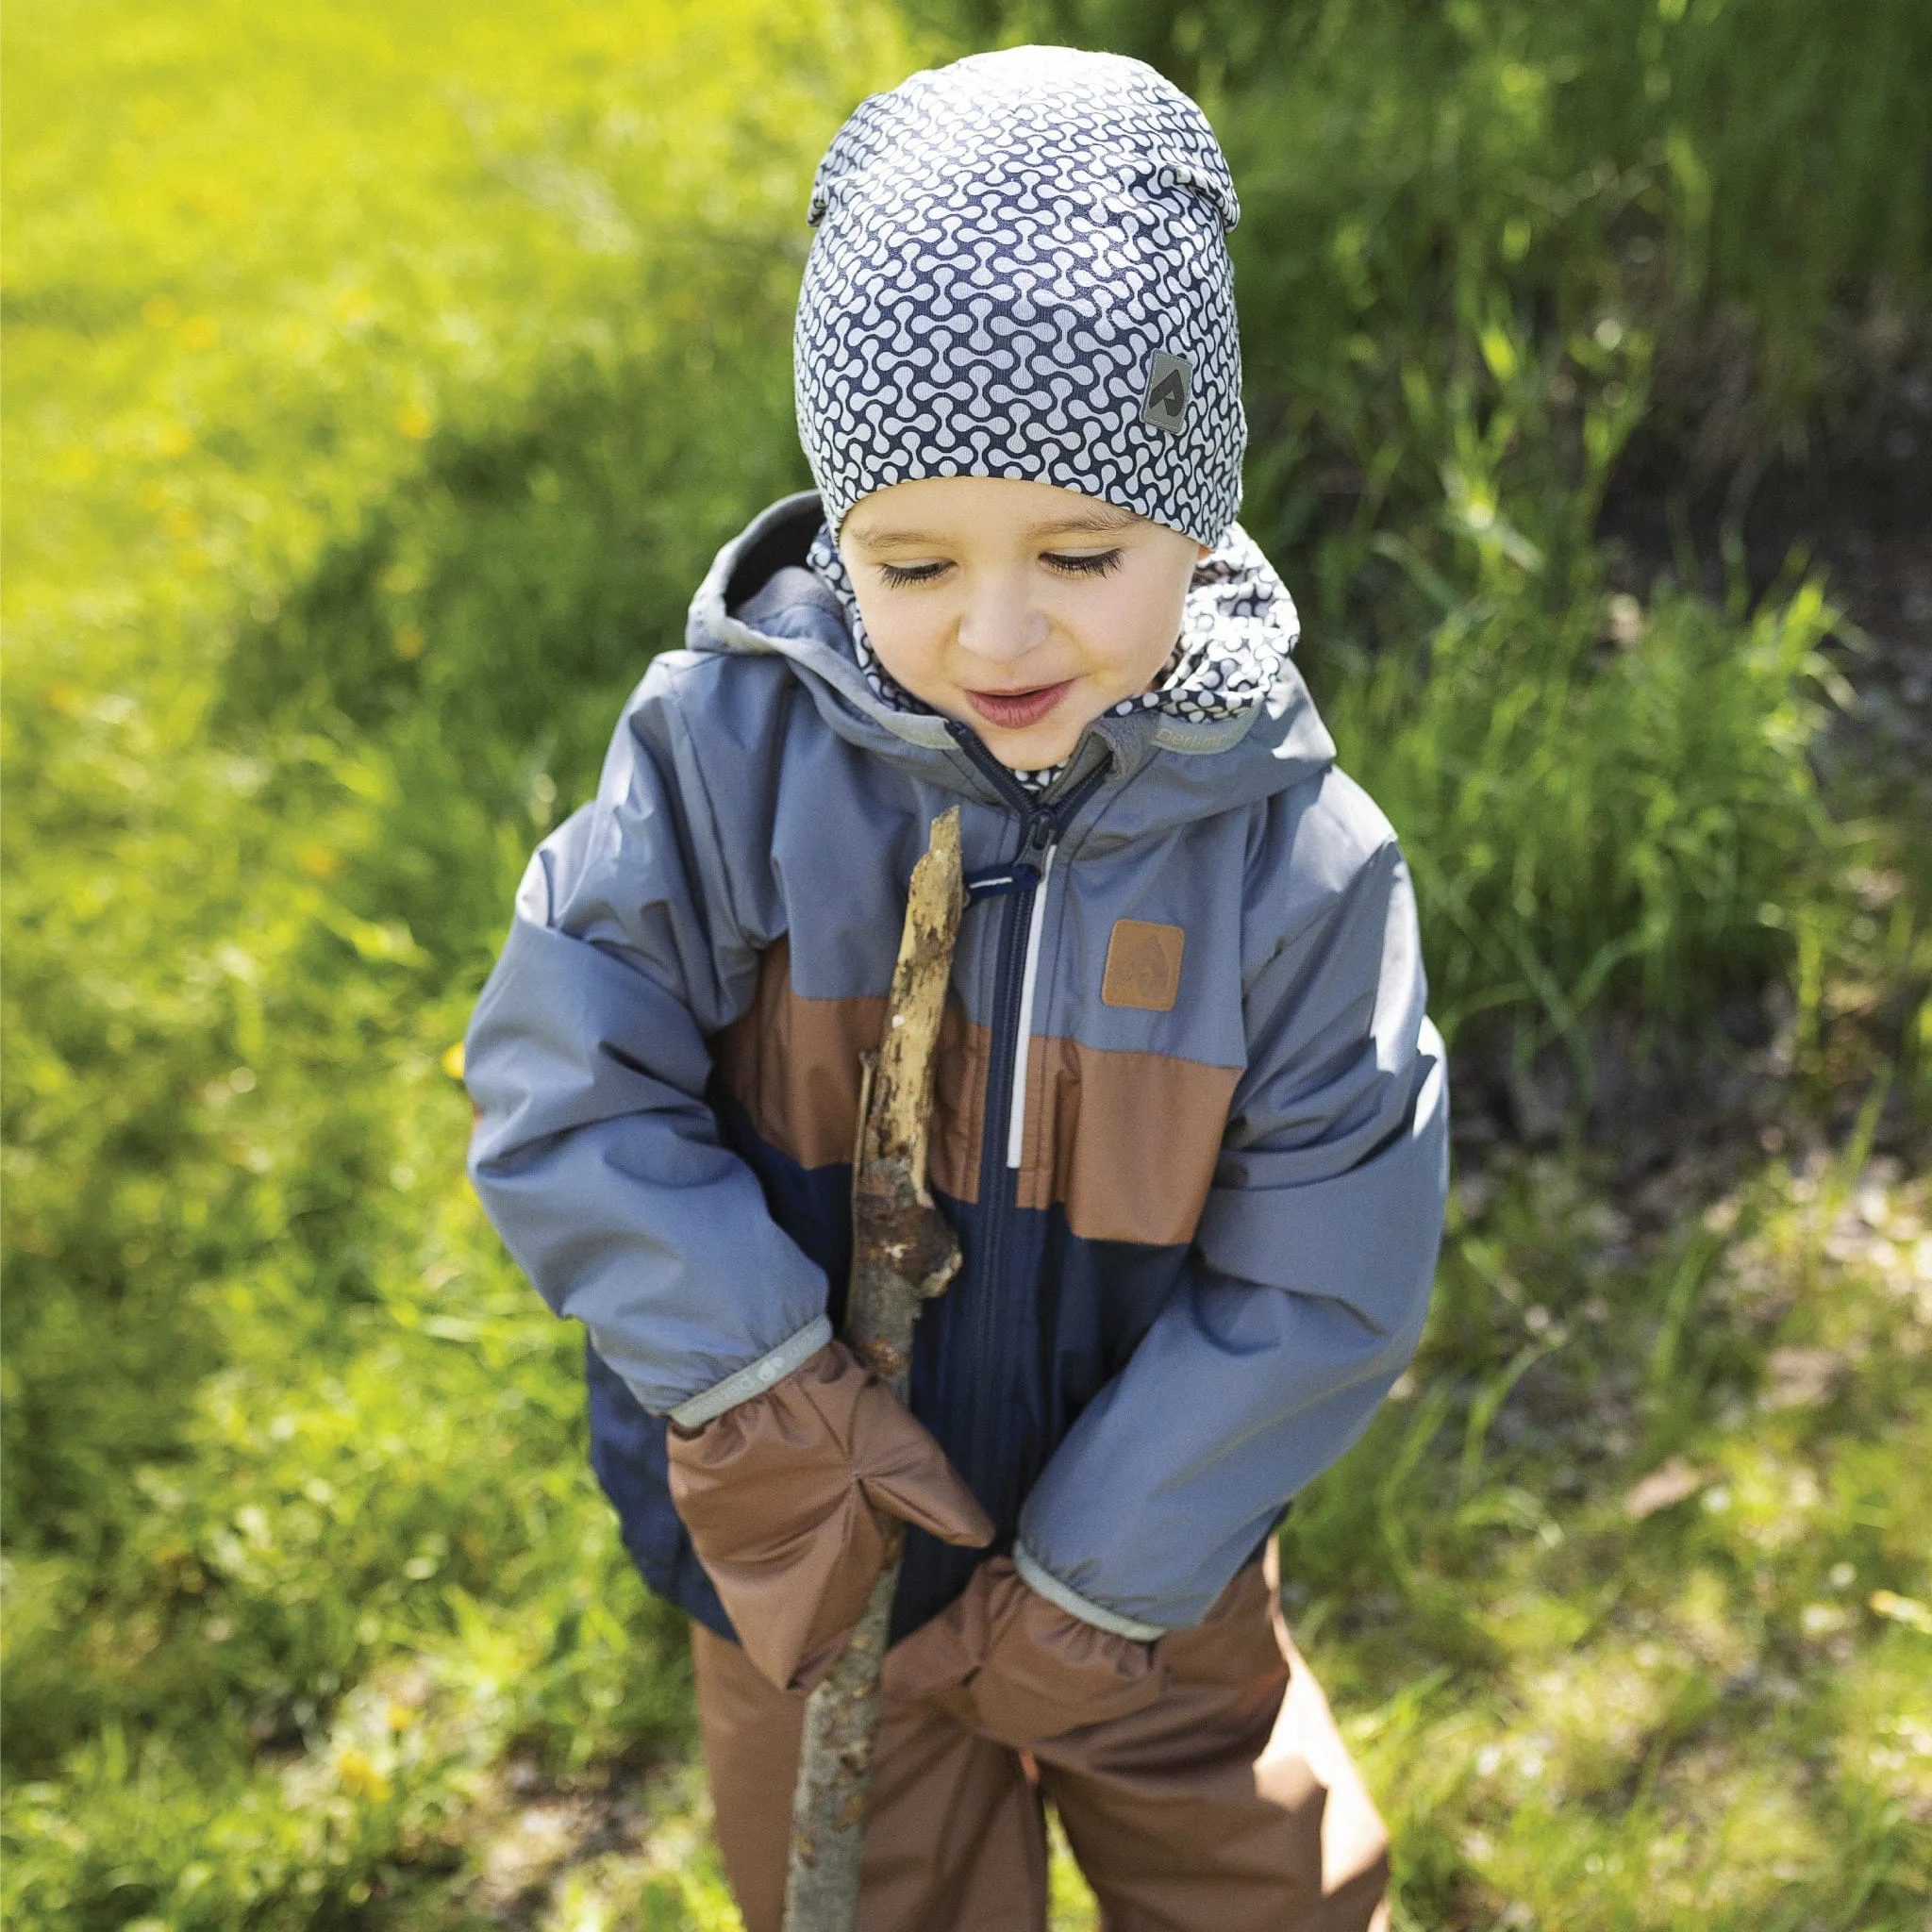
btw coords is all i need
(1027, 751)
(1049, 742)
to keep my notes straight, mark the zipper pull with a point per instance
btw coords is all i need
(1000, 879)
(1040, 831)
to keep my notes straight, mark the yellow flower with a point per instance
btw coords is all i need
(361, 1777)
(410, 641)
(199, 332)
(453, 1060)
(414, 421)
(174, 439)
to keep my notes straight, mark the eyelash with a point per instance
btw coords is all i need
(1103, 565)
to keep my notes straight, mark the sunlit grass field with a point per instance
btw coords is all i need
(378, 381)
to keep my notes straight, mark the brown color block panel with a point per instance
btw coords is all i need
(959, 1104)
(793, 1063)
(1127, 1142)
(1144, 965)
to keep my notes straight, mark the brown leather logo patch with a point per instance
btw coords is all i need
(1143, 966)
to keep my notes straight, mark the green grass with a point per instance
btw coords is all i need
(302, 1545)
(1628, 1593)
(378, 380)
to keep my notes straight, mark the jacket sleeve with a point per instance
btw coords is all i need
(1304, 1292)
(596, 1154)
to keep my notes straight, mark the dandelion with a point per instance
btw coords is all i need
(199, 332)
(359, 1777)
(414, 421)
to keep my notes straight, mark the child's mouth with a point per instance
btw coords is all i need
(1014, 710)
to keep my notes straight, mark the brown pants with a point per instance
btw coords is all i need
(1229, 1805)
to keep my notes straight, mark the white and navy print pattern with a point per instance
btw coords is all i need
(1020, 270)
(1237, 630)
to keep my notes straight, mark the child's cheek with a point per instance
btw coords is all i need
(912, 646)
(1127, 636)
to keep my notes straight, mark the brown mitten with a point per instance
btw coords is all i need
(792, 1499)
(1021, 1668)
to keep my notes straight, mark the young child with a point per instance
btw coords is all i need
(1190, 1119)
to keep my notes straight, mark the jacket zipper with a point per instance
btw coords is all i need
(1023, 883)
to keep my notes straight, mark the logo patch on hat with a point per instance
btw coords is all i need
(1170, 383)
(1144, 965)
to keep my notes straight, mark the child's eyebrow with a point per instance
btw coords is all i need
(1100, 520)
(1094, 520)
(879, 539)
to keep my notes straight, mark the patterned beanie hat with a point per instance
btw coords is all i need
(1020, 270)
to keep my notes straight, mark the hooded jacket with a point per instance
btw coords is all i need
(1190, 1118)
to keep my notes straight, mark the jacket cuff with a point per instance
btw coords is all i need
(1070, 1600)
(754, 1379)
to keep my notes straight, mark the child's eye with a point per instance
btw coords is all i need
(897, 574)
(1102, 563)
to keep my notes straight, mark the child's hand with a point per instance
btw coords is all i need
(1021, 1669)
(790, 1498)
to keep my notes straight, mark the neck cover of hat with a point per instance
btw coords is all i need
(1020, 270)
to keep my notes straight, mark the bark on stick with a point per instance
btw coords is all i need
(903, 1252)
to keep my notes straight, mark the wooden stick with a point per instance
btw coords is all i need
(902, 1253)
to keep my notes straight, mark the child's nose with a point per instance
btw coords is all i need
(1000, 624)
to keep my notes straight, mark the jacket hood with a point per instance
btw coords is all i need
(760, 599)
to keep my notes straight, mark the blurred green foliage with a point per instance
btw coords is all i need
(1405, 162)
(1483, 248)
(378, 382)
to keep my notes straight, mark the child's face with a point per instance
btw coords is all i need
(1023, 610)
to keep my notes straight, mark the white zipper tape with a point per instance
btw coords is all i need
(1016, 1113)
